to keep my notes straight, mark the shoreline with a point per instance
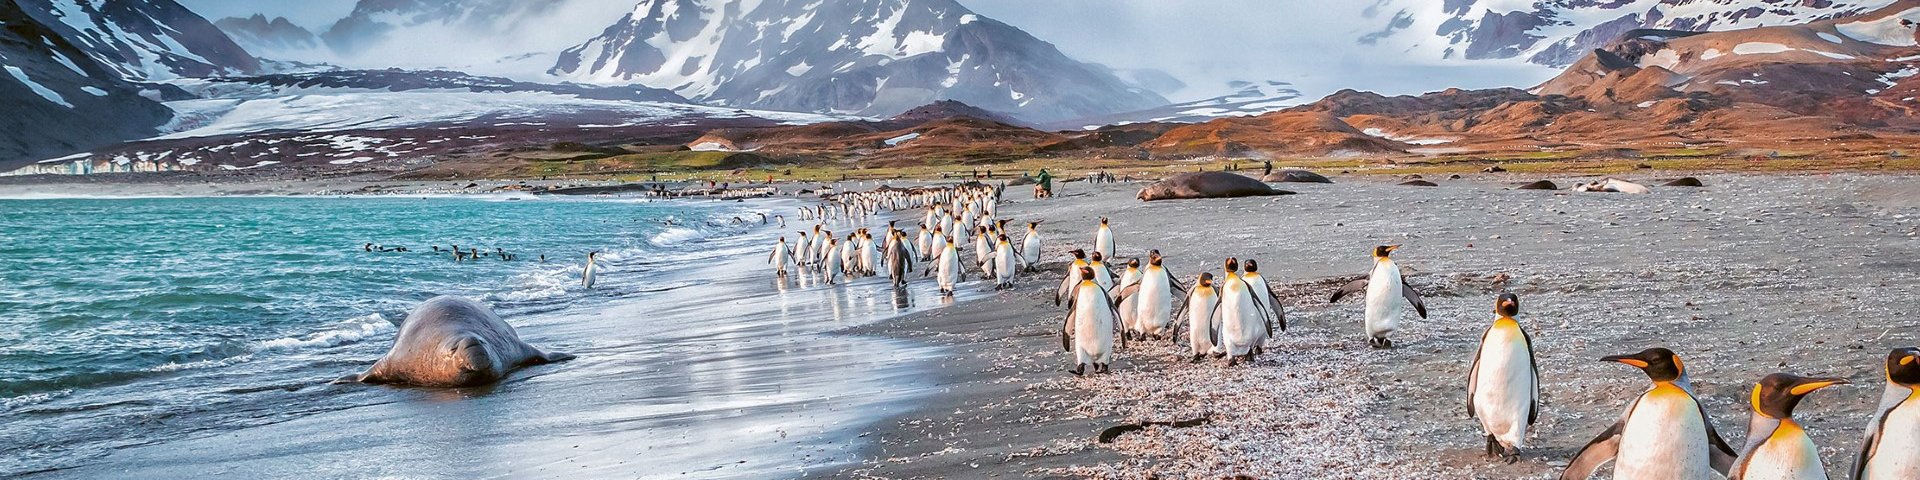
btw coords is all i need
(1724, 275)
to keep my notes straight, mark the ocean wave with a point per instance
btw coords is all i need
(673, 236)
(33, 399)
(353, 330)
(538, 284)
(217, 362)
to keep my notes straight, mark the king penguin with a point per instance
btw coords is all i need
(1103, 239)
(1665, 434)
(592, 271)
(1503, 386)
(1030, 247)
(1203, 328)
(779, 257)
(1383, 286)
(1892, 447)
(1778, 448)
(1073, 275)
(1152, 298)
(1243, 323)
(1090, 326)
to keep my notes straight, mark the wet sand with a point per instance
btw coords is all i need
(1748, 276)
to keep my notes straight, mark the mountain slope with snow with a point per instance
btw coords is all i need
(144, 40)
(58, 98)
(864, 57)
(1559, 32)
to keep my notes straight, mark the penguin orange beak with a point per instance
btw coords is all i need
(1391, 248)
(1626, 359)
(1815, 384)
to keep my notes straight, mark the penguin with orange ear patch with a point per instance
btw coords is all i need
(1777, 447)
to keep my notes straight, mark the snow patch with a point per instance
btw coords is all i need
(896, 141)
(1885, 31)
(42, 90)
(1760, 48)
(91, 90)
(1829, 37)
(1407, 139)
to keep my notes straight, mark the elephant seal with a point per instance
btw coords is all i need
(1539, 185)
(451, 341)
(1418, 183)
(1207, 185)
(1684, 182)
(1613, 185)
(1296, 176)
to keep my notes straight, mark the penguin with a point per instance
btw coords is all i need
(899, 259)
(1202, 326)
(1090, 326)
(1892, 446)
(1103, 239)
(1263, 292)
(1664, 435)
(1005, 263)
(1503, 385)
(1151, 298)
(1073, 275)
(588, 275)
(1778, 448)
(1242, 322)
(1030, 247)
(779, 257)
(983, 244)
(1128, 278)
(1382, 286)
(949, 269)
(1101, 274)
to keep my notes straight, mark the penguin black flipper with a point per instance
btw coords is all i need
(1473, 375)
(1721, 455)
(1597, 452)
(1279, 312)
(1066, 330)
(1259, 306)
(1175, 281)
(1130, 290)
(1889, 400)
(1533, 403)
(1114, 306)
(1352, 287)
(1413, 297)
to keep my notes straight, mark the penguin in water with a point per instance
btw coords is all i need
(1503, 386)
(1892, 446)
(1383, 286)
(1777, 447)
(1243, 324)
(1203, 327)
(1665, 434)
(1030, 247)
(588, 275)
(1090, 326)
(1073, 275)
(779, 257)
(1103, 239)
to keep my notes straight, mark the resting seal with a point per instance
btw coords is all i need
(1613, 185)
(1684, 182)
(1539, 185)
(452, 341)
(1418, 183)
(1296, 176)
(1207, 185)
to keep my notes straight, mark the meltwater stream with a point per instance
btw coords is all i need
(171, 337)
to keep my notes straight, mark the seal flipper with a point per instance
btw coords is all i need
(550, 357)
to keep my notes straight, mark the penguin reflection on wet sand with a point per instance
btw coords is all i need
(1892, 446)
(1503, 385)
(1665, 434)
(1778, 448)
(1384, 287)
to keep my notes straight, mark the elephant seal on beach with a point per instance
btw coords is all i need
(1613, 185)
(1539, 185)
(452, 341)
(1418, 183)
(1207, 185)
(1295, 176)
(1684, 182)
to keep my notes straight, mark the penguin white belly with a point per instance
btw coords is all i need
(949, 270)
(1003, 272)
(1503, 394)
(1092, 327)
(1897, 452)
(1787, 455)
(1664, 439)
(1237, 317)
(1103, 243)
(1200, 323)
(1154, 310)
(1383, 300)
(1031, 249)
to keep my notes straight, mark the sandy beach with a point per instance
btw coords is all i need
(1748, 276)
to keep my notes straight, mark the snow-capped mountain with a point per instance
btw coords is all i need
(1559, 32)
(1248, 99)
(144, 40)
(58, 98)
(265, 37)
(864, 57)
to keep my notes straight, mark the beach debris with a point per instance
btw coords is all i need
(1107, 436)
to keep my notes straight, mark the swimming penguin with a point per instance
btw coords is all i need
(1073, 275)
(1892, 447)
(1243, 324)
(1090, 326)
(1030, 247)
(592, 271)
(1777, 447)
(1383, 286)
(779, 257)
(1664, 435)
(1202, 326)
(1103, 239)
(1263, 292)
(1503, 386)
(1151, 297)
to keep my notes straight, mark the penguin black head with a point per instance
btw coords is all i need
(1233, 265)
(1507, 306)
(1903, 367)
(1206, 279)
(1078, 254)
(1033, 225)
(1384, 250)
(1103, 221)
(1153, 260)
(1086, 273)
(1134, 263)
(1096, 257)
(1777, 394)
(1252, 266)
(1661, 364)
(1003, 238)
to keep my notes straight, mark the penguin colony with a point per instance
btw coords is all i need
(1665, 433)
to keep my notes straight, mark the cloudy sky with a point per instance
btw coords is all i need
(1205, 43)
